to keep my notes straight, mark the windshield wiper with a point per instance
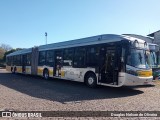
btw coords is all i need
(140, 57)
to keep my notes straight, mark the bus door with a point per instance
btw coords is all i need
(58, 63)
(24, 63)
(108, 70)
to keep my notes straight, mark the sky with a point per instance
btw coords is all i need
(23, 23)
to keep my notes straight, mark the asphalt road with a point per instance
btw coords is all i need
(29, 93)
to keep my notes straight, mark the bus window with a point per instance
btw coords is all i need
(67, 58)
(28, 59)
(14, 60)
(79, 57)
(92, 56)
(49, 58)
(42, 58)
(18, 60)
(8, 61)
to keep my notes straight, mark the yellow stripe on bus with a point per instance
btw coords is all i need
(19, 70)
(28, 70)
(144, 73)
(62, 73)
(40, 71)
(50, 73)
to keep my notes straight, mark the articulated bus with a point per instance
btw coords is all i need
(109, 60)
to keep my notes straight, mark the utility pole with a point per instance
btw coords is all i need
(46, 37)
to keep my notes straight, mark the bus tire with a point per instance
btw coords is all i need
(91, 80)
(46, 74)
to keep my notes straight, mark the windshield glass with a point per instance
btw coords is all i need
(153, 60)
(139, 58)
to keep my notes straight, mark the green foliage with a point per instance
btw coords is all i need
(4, 51)
(10, 51)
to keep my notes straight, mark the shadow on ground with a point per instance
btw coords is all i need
(61, 90)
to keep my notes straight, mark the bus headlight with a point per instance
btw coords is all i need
(142, 73)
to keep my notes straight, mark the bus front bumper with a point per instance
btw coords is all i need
(131, 80)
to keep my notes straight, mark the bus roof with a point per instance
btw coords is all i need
(105, 38)
(152, 46)
(83, 41)
(145, 38)
(20, 52)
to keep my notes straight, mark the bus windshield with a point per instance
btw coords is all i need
(153, 59)
(139, 58)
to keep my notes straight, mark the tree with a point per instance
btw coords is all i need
(6, 47)
(10, 51)
(2, 52)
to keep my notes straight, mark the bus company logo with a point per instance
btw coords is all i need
(6, 114)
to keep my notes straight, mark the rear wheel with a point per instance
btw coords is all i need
(91, 80)
(46, 74)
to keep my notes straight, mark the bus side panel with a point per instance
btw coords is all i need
(75, 74)
(18, 69)
(50, 69)
(28, 69)
(8, 68)
(40, 70)
(121, 78)
(34, 61)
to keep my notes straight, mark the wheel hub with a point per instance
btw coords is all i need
(90, 80)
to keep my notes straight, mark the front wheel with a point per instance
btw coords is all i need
(91, 80)
(46, 74)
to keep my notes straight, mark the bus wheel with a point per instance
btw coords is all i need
(91, 80)
(46, 74)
